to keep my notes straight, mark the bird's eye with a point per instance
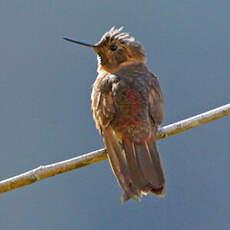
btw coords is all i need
(113, 47)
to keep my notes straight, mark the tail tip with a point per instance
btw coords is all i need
(159, 191)
(126, 197)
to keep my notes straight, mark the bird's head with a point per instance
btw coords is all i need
(115, 50)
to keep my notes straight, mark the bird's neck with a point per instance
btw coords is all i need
(125, 65)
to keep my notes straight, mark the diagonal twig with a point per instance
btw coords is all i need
(50, 170)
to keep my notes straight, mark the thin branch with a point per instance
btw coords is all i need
(50, 170)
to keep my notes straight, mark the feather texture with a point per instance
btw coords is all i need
(127, 105)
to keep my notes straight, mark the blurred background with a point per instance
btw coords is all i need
(45, 115)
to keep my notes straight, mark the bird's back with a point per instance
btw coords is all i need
(121, 104)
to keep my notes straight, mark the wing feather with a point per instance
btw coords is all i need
(156, 101)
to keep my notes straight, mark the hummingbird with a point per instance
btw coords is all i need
(127, 104)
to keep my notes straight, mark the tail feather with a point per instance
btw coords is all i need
(151, 167)
(136, 176)
(137, 166)
(119, 165)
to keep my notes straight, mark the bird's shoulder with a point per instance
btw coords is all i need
(104, 82)
(102, 100)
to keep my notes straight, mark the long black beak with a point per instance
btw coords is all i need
(80, 43)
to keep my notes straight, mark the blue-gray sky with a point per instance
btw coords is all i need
(45, 115)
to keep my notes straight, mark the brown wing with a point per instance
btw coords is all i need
(103, 113)
(137, 166)
(156, 101)
(102, 101)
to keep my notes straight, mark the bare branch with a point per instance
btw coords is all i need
(50, 170)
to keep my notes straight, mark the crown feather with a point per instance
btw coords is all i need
(127, 50)
(116, 34)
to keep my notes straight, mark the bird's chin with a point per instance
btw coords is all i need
(99, 68)
(99, 59)
(101, 64)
